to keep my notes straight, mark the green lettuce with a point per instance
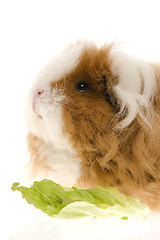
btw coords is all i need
(62, 202)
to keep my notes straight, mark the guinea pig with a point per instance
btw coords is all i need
(93, 119)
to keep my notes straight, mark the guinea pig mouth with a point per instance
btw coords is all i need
(40, 116)
(35, 110)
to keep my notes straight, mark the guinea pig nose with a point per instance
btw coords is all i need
(40, 92)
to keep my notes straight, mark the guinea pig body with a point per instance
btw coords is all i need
(93, 118)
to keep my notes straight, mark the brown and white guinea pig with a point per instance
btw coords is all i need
(93, 118)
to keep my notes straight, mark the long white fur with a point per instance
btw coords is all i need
(49, 103)
(64, 166)
(136, 85)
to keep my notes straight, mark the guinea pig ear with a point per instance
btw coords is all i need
(109, 95)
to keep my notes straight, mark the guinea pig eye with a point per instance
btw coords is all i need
(82, 86)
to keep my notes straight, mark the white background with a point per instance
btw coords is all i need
(31, 32)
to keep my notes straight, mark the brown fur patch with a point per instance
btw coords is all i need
(126, 159)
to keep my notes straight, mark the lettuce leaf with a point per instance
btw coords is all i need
(62, 202)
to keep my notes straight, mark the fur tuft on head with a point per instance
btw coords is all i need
(136, 86)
